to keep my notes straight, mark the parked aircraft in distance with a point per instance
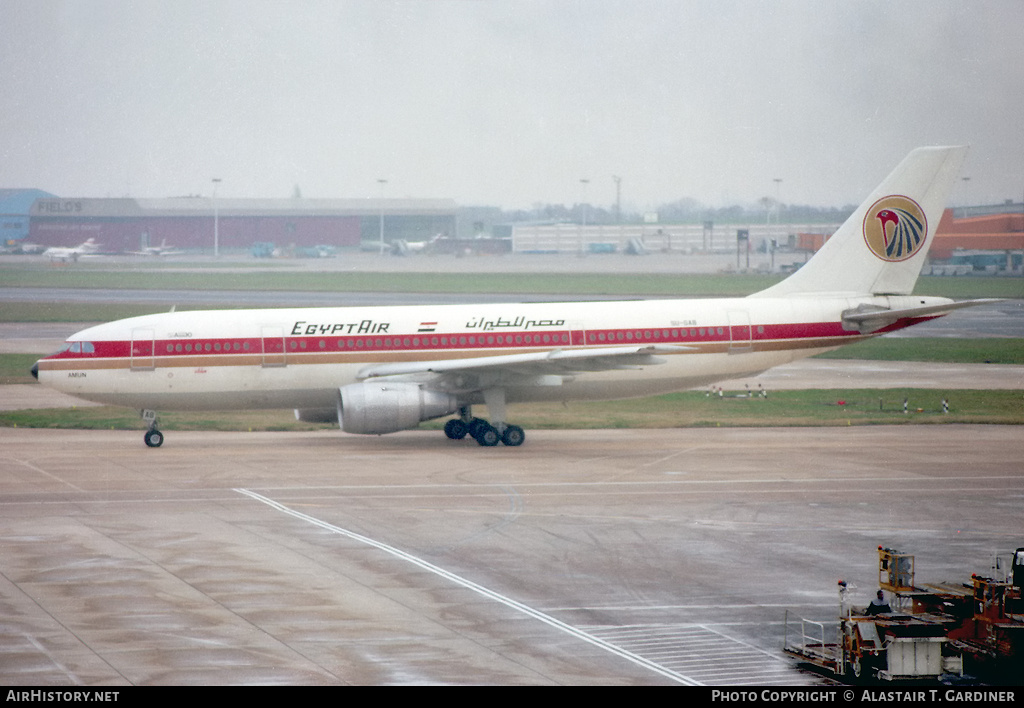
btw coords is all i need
(376, 370)
(402, 247)
(72, 253)
(162, 250)
(24, 248)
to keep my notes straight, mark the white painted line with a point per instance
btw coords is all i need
(72, 677)
(40, 470)
(479, 589)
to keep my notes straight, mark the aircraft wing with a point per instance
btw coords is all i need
(869, 319)
(546, 368)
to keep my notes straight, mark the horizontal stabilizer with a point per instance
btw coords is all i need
(866, 319)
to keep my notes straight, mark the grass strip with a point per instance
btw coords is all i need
(689, 409)
(948, 350)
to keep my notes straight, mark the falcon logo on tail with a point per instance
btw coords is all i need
(895, 228)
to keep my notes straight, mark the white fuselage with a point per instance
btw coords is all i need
(298, 358)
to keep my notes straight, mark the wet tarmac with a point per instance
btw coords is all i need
(585, 557)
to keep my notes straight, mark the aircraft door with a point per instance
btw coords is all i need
(739, 331)
(273, 346)
(577, 333)
(143, 352)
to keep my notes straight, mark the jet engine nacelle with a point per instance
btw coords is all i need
(317, 415)
(378, 407)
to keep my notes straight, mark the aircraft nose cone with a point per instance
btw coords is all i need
(35, 371)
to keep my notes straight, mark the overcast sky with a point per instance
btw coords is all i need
(507, 103)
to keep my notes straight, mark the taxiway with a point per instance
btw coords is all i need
(586, 557)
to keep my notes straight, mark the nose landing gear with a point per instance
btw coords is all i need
(153, 437)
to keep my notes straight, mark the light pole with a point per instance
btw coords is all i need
(582, 227)
(774, 240)
(584, 182)
(382, 182)
(216, 220)
(618, 199)
(778, 200)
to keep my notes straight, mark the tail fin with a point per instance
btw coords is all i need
(880, 249)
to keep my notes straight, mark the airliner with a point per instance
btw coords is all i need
(377, 370)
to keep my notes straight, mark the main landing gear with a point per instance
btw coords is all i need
(484, 432)
(153, 437)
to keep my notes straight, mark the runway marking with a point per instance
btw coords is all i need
(71, 676)
(40, 470)
(708, 654)
(479, 589)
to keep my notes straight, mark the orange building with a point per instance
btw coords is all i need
(992, 232)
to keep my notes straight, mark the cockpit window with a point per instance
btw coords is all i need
(78, 348)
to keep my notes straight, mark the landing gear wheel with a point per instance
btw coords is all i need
(456, 429)
(154, 438)
(476, 425)
(513, 436)
(487, 435)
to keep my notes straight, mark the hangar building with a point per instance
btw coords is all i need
(15, 205)
(188, 223)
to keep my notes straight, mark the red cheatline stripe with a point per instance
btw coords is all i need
(764, 337)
